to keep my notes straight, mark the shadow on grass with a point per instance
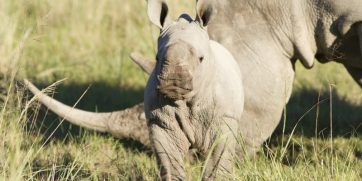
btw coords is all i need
(101, 97)
(346, 116)
(346, 122)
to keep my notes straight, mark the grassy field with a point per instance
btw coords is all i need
(87, 42)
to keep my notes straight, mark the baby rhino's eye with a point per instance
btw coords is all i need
(201, 59)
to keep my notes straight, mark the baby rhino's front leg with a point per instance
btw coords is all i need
(222, 150)
(171, 146)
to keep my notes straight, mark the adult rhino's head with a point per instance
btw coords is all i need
(183, 49)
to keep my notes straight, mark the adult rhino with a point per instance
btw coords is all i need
(266, 37)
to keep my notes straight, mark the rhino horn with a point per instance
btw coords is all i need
(359, 31)
(145, 64)
(129, 123)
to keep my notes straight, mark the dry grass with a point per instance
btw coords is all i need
(88, 42)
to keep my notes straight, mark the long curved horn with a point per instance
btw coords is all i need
(128, 123)
(146, 65)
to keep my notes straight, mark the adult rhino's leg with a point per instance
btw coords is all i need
(268, 75)
(356, 74)
(267, 89)
(222, 155)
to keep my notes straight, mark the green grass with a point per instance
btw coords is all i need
(88, 42)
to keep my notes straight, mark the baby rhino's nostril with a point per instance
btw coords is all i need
(175, 82)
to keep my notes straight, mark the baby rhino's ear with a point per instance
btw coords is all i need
(204, 12)
(157, 11)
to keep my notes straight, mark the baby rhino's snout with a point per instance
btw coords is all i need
(175, 77)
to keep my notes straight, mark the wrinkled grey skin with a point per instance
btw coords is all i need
(194, 96)
(267, 37)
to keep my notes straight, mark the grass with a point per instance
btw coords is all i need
(88, 42)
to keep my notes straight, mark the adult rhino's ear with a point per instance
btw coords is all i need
(345, 26)
(157, 11)
(303, 39)
(204, 10)
(359, 31)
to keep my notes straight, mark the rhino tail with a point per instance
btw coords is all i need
(128, 123)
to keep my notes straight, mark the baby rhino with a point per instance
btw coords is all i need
(194, 96)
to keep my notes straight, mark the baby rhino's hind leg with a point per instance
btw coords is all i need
(222, 151)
